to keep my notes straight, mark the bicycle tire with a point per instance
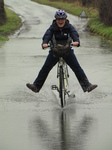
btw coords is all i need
(61, 87)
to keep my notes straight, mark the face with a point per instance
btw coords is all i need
(60, 22)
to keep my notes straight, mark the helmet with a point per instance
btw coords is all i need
(60, 14)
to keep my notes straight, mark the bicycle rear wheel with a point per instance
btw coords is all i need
(61, 88)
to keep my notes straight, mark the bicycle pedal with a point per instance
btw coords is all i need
(54, 87)
(67, 92)
(70, 95)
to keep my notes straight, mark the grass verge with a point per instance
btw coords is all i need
(99, 28)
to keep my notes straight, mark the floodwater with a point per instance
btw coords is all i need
(30, 121)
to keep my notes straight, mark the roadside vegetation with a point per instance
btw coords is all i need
(11, 23)
(98, 11)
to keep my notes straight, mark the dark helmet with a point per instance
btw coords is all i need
(60, 14)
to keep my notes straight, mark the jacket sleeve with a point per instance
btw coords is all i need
(74, 34)
(47, 36)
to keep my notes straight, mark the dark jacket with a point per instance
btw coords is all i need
(61, 34)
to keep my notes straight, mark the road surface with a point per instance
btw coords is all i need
(30, 121)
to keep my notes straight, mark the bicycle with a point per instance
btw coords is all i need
(62, 75)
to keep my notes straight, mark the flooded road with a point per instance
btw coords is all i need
(30, 121)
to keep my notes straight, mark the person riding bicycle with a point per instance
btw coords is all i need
(60, 34)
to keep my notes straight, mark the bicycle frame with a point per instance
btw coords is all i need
(62, 75)
(63, 65)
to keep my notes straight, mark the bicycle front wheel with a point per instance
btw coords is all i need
(61, 88)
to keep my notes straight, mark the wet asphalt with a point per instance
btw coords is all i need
(30, 121)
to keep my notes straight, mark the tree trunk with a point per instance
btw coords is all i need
(2, 12)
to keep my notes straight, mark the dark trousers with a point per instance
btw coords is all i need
(71, 60)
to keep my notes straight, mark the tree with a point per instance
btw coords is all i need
(105, 11)
(2, 12)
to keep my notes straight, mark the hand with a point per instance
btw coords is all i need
(75, 43)
(44, 46)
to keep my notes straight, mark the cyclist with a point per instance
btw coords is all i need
(61, 32)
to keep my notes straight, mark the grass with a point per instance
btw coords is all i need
(98, 27)
(12, 23)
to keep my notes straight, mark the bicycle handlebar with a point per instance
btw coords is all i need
(49, 46)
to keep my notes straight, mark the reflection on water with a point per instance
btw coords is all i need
(65, 134)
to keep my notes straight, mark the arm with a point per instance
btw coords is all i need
(75, 36)
(47, 37)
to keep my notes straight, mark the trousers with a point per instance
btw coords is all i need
(71, 61)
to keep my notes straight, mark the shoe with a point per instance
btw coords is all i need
(91, 87)
(32, 87)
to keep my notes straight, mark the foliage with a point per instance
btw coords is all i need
(12, 23)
